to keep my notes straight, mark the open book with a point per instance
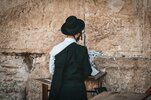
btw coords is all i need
(96, 74)
(94, 71)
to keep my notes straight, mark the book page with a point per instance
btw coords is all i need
(94, 71)
(49, 80)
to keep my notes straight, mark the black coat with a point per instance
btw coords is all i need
(72, 67)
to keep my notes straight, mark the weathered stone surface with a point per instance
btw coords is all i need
(34, 26)
(111, 26)
(118, 27)
(126, 74)
(114, 28)
(8, 4)
(13, 78)
(120, 96)
(17, 82)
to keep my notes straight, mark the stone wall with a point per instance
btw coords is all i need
(118, 29)
(126, 74)
(18, 72)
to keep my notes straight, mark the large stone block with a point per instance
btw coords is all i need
(114, 27)
(34, 26)
(18, 74)
(126, 74)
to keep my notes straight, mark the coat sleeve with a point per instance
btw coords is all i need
(87, 70)
(51, 62)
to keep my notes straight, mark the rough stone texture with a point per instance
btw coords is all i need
(126, 74)
(34, 26)
(17, 81)
(119, 28)
(114, 28)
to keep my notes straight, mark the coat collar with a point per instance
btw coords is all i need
(70, 40)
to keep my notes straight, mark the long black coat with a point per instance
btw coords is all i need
(72, 67)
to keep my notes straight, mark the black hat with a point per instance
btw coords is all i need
(72, 26)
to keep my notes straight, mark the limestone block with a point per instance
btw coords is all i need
(16, 81)
(8, 4)
(115, 26)
(115, 6)
(13, 77)
(35, 26)
(126, 74)
(111, 26)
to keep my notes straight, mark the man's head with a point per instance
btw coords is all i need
(73, 27)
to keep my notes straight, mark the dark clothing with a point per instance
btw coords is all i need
(74, 90)
(72, 67)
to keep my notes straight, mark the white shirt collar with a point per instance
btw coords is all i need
(70, 40)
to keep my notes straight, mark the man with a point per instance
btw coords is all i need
(69, 64)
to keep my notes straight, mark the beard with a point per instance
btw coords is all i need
(78, 38)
